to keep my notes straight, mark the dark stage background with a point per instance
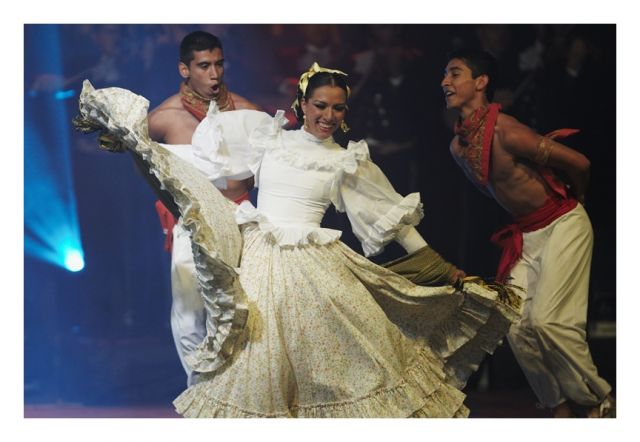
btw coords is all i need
(101, 336)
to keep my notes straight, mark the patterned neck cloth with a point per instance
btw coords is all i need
(197, 105)
(476, 135)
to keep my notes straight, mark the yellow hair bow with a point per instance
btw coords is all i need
(314, 69)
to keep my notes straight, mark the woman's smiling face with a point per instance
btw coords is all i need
(325, 111)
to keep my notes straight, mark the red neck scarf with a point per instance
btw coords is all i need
(197, 105)
(476, 134)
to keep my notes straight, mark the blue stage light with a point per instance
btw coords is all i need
(73, 260)
(63, 95)
(52, 230)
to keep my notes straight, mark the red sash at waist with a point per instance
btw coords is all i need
(510, 237)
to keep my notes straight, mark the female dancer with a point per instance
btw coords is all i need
(299, 325)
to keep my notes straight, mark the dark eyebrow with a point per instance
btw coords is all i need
(319, 101)
(205, 62)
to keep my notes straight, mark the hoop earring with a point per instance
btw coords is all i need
(344, 127)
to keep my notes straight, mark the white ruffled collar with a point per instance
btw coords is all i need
(312, 138)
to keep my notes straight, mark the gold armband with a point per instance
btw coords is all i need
(544, 150)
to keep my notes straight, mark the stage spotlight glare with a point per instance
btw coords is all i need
(51, 230)
(73, 260)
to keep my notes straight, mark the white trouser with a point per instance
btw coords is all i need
(549, 342)
(187, 310)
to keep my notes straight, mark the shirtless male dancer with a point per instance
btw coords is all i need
(547, 250)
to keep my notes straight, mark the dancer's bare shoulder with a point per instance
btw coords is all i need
(171, 123)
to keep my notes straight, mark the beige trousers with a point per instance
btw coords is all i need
(549, 342)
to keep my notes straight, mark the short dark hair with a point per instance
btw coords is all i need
(197, 41)
(480, 63)
(318, 80)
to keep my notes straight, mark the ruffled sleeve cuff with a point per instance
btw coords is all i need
(407, 212)
(376, 211)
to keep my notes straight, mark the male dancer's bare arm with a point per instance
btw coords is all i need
(520, 141)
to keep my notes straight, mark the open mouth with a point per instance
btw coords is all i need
(326, 127)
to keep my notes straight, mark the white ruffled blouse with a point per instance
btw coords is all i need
(298, 176)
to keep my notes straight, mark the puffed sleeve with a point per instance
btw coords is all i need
(378, 214)
(229, 145)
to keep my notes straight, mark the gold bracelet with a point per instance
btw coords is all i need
(544, 151)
